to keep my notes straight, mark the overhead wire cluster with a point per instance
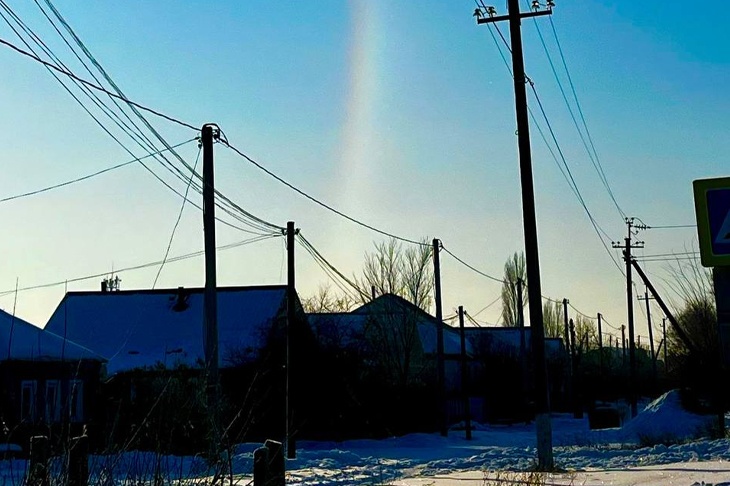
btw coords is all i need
(178, 258)
(128, 122)
(118, 116)
(560, 159)
(347, 285)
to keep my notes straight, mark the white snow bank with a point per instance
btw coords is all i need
(665, 420)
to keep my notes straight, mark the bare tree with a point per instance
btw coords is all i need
(514, 269)
(392, 329)
(325, 300)
(552, 318)
(694, 302)
(405, 272)
(586, 334)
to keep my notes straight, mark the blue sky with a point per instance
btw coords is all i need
(399, 114)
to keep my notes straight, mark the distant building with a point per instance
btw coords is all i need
(382, 367)
(153, 343)
(47, 381)
(504, 372)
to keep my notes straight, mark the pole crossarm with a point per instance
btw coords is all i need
(522, 15)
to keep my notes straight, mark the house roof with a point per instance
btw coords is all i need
(508, 337)
(342, 329)
(350, 325)
(141, 328)
(22, 340)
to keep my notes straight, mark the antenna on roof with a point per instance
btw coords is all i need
(111, 284)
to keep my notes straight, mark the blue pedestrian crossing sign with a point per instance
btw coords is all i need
(712, 207)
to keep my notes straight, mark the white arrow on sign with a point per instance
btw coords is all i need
(723, 236)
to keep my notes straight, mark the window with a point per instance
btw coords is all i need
(27, 399)
(53, 401)
(76, 400)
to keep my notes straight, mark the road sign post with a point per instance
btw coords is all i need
(712, 207)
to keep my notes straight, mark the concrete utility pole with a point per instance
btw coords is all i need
(440, 371)
(291, 313)
(486, 15)
(632, 227)
(464, 377)
(210, 132)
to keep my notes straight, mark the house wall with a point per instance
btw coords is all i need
(47, 398)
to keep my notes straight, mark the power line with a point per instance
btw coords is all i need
(94, 86)
(672, 226)
(595, 161)
(529, 109)
(490, 277)
(332, 271)
(177, 222)
(233, 210)
(86, 177)
(144, 265)
(568, 177)
(142, 140)
(602, 174)
(670, 254)
(133, 131)
(488, 306)
(667, 259)
(98, 102)
(472, 320)
(605, 321)
(593, 221)
(317, 201)
(582, 313)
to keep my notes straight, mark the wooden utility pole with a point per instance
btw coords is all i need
(440, 371)
(577, 406)
(627, 246)
(542, 401)
(291, 314)
(520, 312)
(210, 321)
(664, 337)
(600, 345)
(567, 333)
(646, 299)
(464, 377)
(623, 344)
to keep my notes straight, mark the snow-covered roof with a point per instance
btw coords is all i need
(347, 327)
(141, 328)
(508, 338)
(452, 340)
(22, 340)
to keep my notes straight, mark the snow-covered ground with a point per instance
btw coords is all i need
(431, 459)
(662, 445)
